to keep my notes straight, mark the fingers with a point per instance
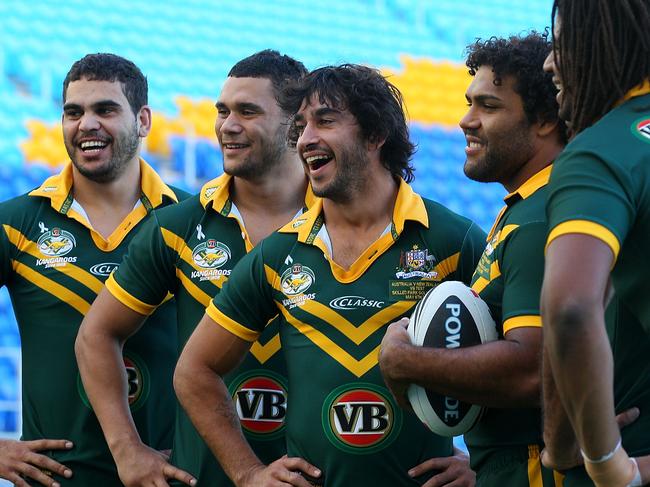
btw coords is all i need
(300, 464)
(627, 417)
(172, 472)
(43, 444)
(48, 464)
(29, 471)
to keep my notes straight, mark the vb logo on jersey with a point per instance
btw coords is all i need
(360, 418)
(641, 128)
(261, 402)
(297, 279)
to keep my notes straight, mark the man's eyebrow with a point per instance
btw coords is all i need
(484, 98)
(94, 106)
(240, 106)
(323, 111)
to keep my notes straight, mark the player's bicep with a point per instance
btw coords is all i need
(213, 346)
(576, 274)
(109, 317)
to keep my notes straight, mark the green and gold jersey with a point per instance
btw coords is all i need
(600, 186)
(189, 250)
(509, 279)
(340, 415)
(54, 264)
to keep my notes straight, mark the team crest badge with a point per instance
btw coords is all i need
(641, 128)
(297, 279)
(416, 263)
(360, 418)
(211, 254)
(261, 402)
(56, 243)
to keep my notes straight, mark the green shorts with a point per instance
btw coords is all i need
(516, 467)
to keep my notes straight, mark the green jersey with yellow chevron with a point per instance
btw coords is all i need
(340, 415)
(600, 186)
(189, 250)
(54, 264)
(504, 446)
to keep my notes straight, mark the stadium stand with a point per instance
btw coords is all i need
(186, 47)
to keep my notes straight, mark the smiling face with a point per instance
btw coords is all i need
(251, 127)
(499, 135)
(100, 131)
(332, 149)
(551, 65)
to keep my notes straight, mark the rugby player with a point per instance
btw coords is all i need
(513, 135)
(58, 244)
(190, 253)
(599, 232)
(359, 259)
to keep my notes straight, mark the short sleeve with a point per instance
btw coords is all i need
(470, 253)
(147, 272)
(590, 196)
(522, 267)
(245, 304)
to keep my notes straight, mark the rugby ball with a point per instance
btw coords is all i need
(451, 315)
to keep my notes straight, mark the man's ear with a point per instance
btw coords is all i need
(144, 121)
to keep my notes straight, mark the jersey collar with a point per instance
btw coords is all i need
(639, 90)
(529, 187)
(408, 206)
(57, 188)
(217, 194)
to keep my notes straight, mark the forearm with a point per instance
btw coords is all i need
(580, 358)
(206, 399)
(496, 374)
(559, 438)
(104, 378)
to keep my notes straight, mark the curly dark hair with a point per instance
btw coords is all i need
(604, 51)
(521, 57)
(376, 104)
(111, 67)
(269, 64)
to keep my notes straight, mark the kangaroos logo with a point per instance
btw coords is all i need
(56, 243)
(297, 279)
(261, 402)
(360, 418)
(211, 254)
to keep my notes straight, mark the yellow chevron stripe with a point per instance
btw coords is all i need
(27, 246)
(195, 291)
(481, 283)
(447, 266)
(357, 334)
(52, 287)
(264, 352)
(178, 245)
(357, 367)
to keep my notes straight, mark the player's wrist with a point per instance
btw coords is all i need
(615, 469)
(123, 448)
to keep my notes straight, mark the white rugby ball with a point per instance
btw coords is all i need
(451, 315)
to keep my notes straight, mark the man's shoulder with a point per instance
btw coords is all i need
(23, 206)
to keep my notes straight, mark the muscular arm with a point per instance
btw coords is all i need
(211, 352)
(504, 373)
(104, 330)
(98, 347)
(580, 357)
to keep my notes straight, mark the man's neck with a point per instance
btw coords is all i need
(107, 204)
(270, 202)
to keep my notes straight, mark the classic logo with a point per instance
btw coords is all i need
(56, 243)
(641, 128)
(261, 402)
(211, 254)
(355, 302)
(416, 263)
(360, 418)
(297, 279)
(104, 269)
